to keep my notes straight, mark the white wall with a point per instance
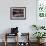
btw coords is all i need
(24, 25)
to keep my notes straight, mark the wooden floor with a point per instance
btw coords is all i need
(13, 44)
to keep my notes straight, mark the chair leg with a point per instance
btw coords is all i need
(5, 40)
(5, 43)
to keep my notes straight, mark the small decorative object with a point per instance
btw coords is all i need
(18, 13)
(14, 30)
(22, 44)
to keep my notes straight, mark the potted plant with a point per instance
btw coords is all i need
(39, 35)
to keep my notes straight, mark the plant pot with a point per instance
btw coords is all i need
(40, 41)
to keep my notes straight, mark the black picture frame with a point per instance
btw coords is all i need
(18, 13)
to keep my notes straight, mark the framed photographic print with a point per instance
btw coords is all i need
(41, 12)
(18, 13)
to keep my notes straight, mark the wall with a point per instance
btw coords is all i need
(24, 25)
